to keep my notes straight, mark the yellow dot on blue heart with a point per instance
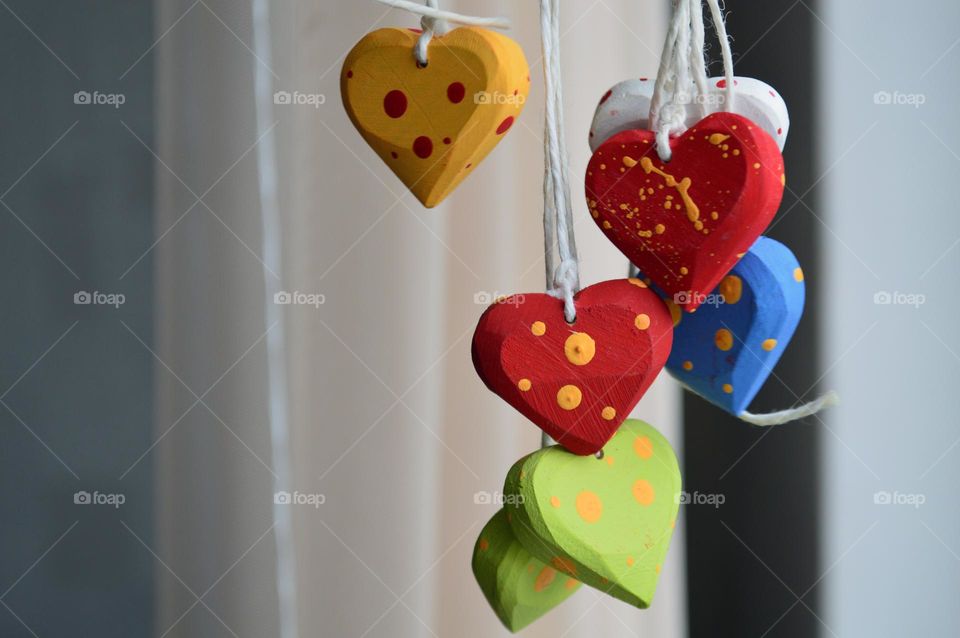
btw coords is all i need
(731, 288)
(723, 339)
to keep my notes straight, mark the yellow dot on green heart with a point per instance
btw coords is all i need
(643, 492)
(569, 397)
(643, 446)
(538, 328)
(580, 348)
(731, 288)
(544, 578)
(723, 339)
(484, 544)
(554, 501)
(769, 344)
(642, 322)
(564, 565)
(629, 561)
(589, 506)
(571, 583)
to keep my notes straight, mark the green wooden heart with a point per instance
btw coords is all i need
(605, 521)
(519, 587)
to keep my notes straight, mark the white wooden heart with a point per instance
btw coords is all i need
(627, 106)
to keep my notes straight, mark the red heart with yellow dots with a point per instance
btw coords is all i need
(686, 222)
(433, 124)
(577, 382)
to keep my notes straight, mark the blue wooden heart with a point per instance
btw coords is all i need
(727, 348)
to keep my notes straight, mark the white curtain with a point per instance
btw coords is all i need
(388, 419)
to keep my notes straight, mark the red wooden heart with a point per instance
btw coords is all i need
(686, 222)
(577, 382)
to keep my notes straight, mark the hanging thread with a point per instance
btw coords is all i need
(563, 279)
(434, 21)
(682, 76)
(785, 416)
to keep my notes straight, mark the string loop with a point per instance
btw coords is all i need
(682, 76)
(434, 21)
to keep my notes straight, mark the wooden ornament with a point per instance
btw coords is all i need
(519, 587)
(433, 125)
(626, 106)
(684, 223)
(575, 382)
(605, 521)
(726, 350)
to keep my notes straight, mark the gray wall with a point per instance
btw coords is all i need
(83, 410)
(891, 225)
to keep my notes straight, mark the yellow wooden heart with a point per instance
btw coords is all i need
(433, 125)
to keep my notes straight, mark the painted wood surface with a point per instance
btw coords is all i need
(519, 587)
(433, 125)
(605, 521)
(728, 348)
(626, 106)
(686, 223)
(575, 382)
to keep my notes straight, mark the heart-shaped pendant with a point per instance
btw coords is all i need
(519, 587)
(605, 521)
(433, 125)
(575, 382)
(726, 350)
(626, 106)
(684, 223)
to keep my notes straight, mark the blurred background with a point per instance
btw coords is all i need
(154, 399)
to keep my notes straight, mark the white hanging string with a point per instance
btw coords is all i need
(785, 416)
(698, 67)
(277, 392)
(720, 26)
(563, 280)
(434, 21)
(682, 71)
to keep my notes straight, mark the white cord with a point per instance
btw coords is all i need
(698, 67)
(682, 71)
(277, 392)
(799, 412)
(433, 20)
(721, 28)
(564, 280)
